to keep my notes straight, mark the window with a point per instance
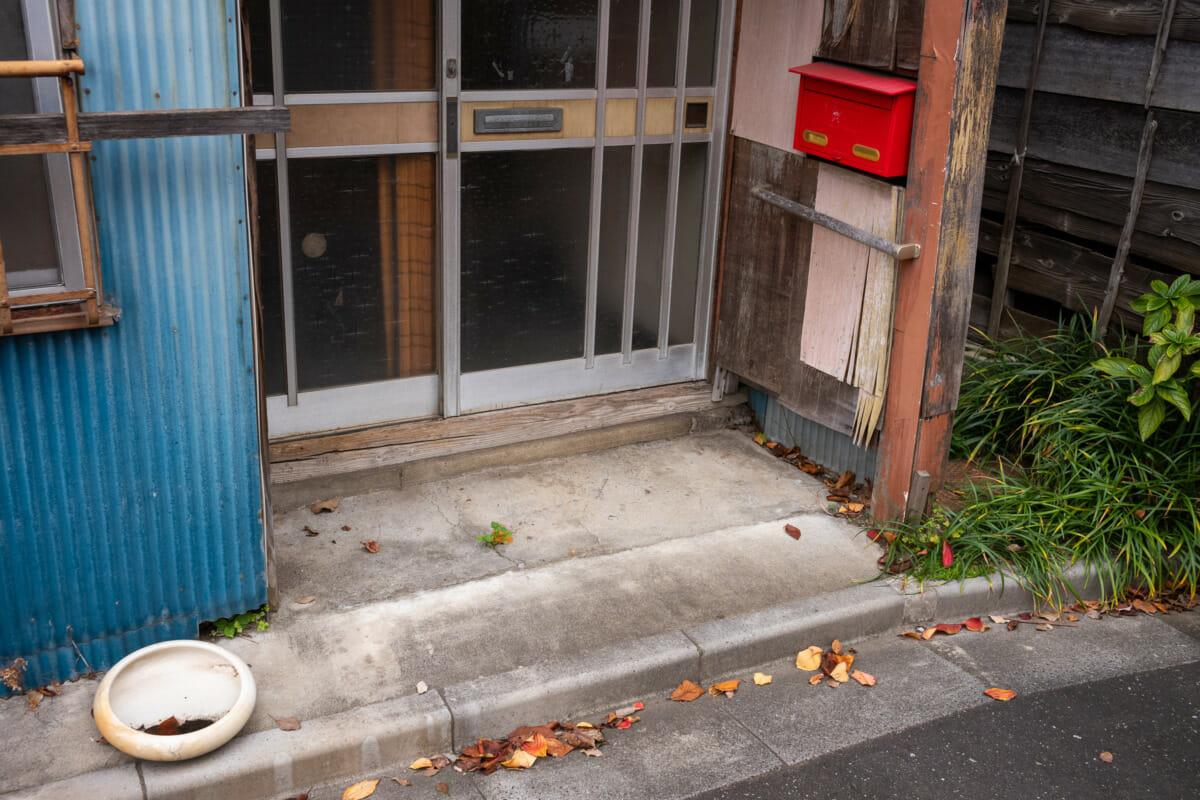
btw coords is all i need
(46, 282)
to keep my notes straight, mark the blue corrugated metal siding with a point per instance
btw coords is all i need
(832, 450)
(130, 501)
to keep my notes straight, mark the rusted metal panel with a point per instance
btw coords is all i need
(130, 505)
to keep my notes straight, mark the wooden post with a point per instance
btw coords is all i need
(960, 51)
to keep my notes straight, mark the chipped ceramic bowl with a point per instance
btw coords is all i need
(209, 691)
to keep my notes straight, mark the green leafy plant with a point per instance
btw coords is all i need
(1071, 479)
(1163, 381)
(497, 535)
(230, 627)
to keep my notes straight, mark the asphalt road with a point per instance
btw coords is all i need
(1043, 745)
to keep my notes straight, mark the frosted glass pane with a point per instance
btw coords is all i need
(693, 163)
(524, 256)
(614, 235)
(528, 44)
(652, 219)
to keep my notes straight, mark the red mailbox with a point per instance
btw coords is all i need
(856, 118)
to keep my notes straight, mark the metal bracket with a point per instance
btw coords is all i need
(900, 252)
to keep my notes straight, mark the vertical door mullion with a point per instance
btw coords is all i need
(451, 363)
(285, 211)
(668, 254)
(593, 267)
(635, 183)
(712, 184)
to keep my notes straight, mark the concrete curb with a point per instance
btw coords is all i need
(367, 739)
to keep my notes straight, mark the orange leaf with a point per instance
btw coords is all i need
(627, 723)
(1106, 757)
(809, 658)
(836, 647)
(360, 790)
(1001, 694)
(520, 760)
(949, 630)
(371, 545)
(815, 679)
(421, 763)
(911, 634)
(686, 692)
(761, 679)
(975, 624)
(866, 679)
(724, 686)
(855, 507)
(536, 746)
(928, 633)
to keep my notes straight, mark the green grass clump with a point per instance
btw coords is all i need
(1073, 481)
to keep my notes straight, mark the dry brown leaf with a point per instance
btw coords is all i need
(519, 760)
(345, 527)
(1145, 606)
(371, 545)
(403, 781)
(1106, 757)
(865, 678)
(288, 723)
(840, 673)
(1001, 694)
(686, 692)
(34, 698)
(845, 479)
(593, 751)
(557, 749)
(325, 505)
(815, 679)
(310, 531)
(443, 788)
(305, 600)
(836, 647)
(809, 658)
(761, 680)
(724, 686)
(360, 790)
(1072, 618)
(999, 620)
(1044, 627)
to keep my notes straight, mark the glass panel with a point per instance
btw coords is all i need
(524, 256)
(359, 45)
(702, 43)
(652, 218)
(528, 44)
(269, 281)
(623, 43)
(258, 20)
(26, 221)
(362, 268)
(693, 163)
(614, 234)
(664, 33)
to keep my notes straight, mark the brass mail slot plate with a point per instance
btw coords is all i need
(518, 120)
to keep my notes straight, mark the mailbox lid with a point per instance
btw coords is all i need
(847, 81)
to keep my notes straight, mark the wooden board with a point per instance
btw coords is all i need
(1099, 135)
(775, 35)
(1085, 64)
(96, 125)
(1119, 17)
(349, 124)
(1168, 213)
(910, 17)
(838, 266)
(881, 34)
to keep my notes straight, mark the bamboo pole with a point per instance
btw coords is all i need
(40, 69)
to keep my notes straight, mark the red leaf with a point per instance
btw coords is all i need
(974, 624)
(948, 629)
(947, 554)
(792, 531)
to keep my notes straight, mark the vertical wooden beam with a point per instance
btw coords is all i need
(1004, 257)
(5, 312)
(960, 51)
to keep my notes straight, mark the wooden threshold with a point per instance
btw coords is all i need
(298, 459)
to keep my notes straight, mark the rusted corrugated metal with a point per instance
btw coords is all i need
(832, 450)
(130, 505)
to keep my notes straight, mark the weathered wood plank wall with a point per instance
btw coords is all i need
(1089, 112)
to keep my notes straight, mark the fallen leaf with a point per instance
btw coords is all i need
(1001, 694)
(299, 797)
(724, 686)
(998, 620)
(310, 531)
(1145, 606)
(855, 507)
(840, 673)
(947, 553)
(1013, 625)
(519, 760)
(443, 788)
(305, 600)
(51, 689)
(760, 438)
(845, 479)
(1093, 614)
(928, 633)
(836, 647)
(809, 658)
(325, 505)
(360, 790)
(627, 710)
(34, 698)
(1072, 618)
(288, 723)
(792, 531)
(686, 692)
(1044, 627)
(948, 629)
(866, 679)
(371, 545)
(1015, 548)
(422, 687)
(345, 527)
(761, 680)
(593, 751)
(627, 723)
(911, 634)
(403, 781)
(837, 498)
(557, 749)
(536, 746)
(974, 624)
(1106, 757)
(421, 763)
(1140, 513)
(1025, 615)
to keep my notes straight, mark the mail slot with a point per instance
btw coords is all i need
(858, 119)
(518, 120)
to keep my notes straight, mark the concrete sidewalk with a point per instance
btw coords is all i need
(630, 570)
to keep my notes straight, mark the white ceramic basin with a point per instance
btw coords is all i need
(194, 682)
